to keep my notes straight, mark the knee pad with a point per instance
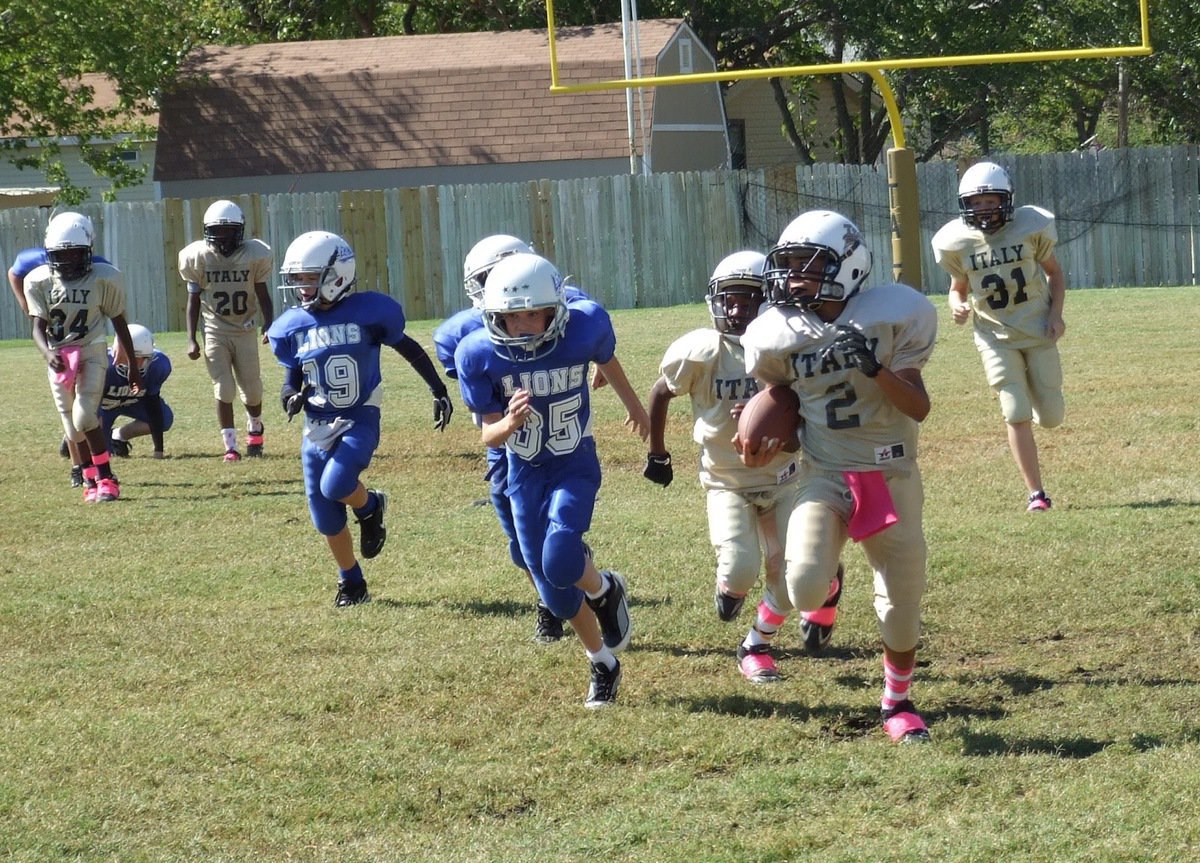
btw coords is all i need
(562, 557)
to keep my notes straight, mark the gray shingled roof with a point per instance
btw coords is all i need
(398, 102)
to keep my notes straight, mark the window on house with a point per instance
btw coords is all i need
(128, 155)
(685, 56)
(737, 144)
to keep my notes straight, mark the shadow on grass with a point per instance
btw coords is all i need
(1066, 748)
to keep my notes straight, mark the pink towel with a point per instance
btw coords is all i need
(70, 356)
(873, 507)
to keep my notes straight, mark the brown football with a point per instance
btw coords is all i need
(773, 412)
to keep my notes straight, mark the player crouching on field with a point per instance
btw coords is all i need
(329, 348)
(69, 299)
(525, 374)
(148, 412)
(748, 508)
(854, 356)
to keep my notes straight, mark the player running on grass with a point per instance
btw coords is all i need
(1002, 267)
(525, 374)
(854, 356)
(748, 509)
(329, 347)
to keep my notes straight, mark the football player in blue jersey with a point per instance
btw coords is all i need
(148, 413)
(525, 375)
(478, 263)
(329, 347)
(26, 262)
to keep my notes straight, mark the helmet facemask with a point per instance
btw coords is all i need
(734, 304)
(70, 262)
(524, 282)
(986, 218)
(224, 237)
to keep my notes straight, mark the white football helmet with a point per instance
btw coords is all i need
(817, 235)
(985, 178)
(326, 255)
(224, 227)
(483, 256)
(519, 282)
(143, 349)
(738, 275)
(69, 238)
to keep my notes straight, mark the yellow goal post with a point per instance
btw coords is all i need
(901, 164)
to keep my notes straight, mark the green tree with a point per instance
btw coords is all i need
(45, 49)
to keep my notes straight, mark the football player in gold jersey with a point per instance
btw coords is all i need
(1002, 267)
(854, 356)
(226, 277)
(748, 508)
(70, 297)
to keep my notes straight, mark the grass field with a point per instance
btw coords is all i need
(176, 685)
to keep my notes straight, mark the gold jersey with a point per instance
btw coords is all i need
(711, 370)
(76, 312)
(849, 424)
(1009, 294)
(228, 302)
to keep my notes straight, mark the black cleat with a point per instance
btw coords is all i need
(372, 533)
(605, 683)
(728, 607)
(76, 476)
(817, 633)
(351, 594)
(549, 628)
(612, 611)
(63, 449)
(120, 448)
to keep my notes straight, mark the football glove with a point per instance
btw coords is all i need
(852, 344)
(294, 402)
(443, 408)
(658, 469)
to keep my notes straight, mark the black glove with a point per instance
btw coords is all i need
(852, 345)
(442, 411)
(658, 469)
(293, 402)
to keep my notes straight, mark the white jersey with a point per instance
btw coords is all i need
(228, 302)
(1009, 294)
(711, 369)
(76, 312)
(849, 424)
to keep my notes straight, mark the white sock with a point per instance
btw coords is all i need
(254, 425)
(605, 584)
(229, 438)
(118, 433)
(603, 656)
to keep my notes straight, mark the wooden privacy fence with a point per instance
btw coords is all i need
(1125, 218)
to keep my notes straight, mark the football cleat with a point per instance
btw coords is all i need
(603, 690)
(1038, 502)
(232, 455)
(728, 606)
(549, 628)
(120, 448)
(904, 725)
(76, 476)
(757, 665)
(90, 491)
(63, 449)
(254, 444)
(816, 627)
(372, 533)
(351, 594)
(107, 489)
(612, 611)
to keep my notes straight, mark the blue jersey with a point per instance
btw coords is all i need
(458, 326)
(116, 385)
(29, 260)
(561, 417)
(337, 350)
